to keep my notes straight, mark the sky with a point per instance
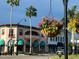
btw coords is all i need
(42, 7)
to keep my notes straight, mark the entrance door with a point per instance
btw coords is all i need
(10, 46)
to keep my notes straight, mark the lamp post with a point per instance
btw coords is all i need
(65, 2)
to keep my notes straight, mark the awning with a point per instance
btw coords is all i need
(42, 43)
(35, 44)
(20, 42)
(1, 42)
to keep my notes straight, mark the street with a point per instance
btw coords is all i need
(24, 57)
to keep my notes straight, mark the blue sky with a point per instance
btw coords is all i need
(41, 5)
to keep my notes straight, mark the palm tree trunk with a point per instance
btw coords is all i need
(10, 25)
(72, 38)
(30, 36)
(11, 17)
(11, 9)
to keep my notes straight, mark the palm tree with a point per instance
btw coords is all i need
(72, 15)
(72, 12)
(31, 11)
(12, 3)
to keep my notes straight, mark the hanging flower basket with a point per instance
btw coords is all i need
(51, 27)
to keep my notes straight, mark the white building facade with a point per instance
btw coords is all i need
(58, 42)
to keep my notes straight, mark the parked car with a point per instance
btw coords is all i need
(60, 52)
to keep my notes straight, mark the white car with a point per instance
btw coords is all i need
(60, 52)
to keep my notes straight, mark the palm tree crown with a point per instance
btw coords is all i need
(31, 11)
(13, 2)
(72, 12)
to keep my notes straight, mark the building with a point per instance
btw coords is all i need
(19, 40)
(58, 42)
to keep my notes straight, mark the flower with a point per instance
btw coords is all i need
(50, 27)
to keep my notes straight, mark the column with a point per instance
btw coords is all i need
(46, 46)
(5, 49)
(24, 46)
(15, 47)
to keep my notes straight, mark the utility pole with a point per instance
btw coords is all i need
(65, 2)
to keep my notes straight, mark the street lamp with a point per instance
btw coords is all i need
(65, 2)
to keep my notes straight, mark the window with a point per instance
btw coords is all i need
(2, 31)
(50, 38)
(33, 33)
(63, 39)
(27, 33)
(56, 39)
(20, 32)
(60, 39)
(10, 32)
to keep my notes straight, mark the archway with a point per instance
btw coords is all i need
(35, 46)
(27, 45)
(33, 33)
(10, 46)
(42, 46)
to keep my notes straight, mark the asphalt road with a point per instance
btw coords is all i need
(24, 57)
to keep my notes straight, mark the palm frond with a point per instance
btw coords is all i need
(17, 2)
(13, 2)
(31, 11)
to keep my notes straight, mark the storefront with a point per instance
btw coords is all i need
(42, 46)
(52, 48)
(10, 47)
(20, 44)
(1, 46)
(35, 46)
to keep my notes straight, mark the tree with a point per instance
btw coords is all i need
(31, 11)
(72, 17)
(72, 12)
(12, 3)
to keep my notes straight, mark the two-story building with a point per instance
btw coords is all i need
(58, 42)
(17, 39)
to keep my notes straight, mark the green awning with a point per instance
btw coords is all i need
(20, 42)
(42, 43)
(1, 42)
(35, 44)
